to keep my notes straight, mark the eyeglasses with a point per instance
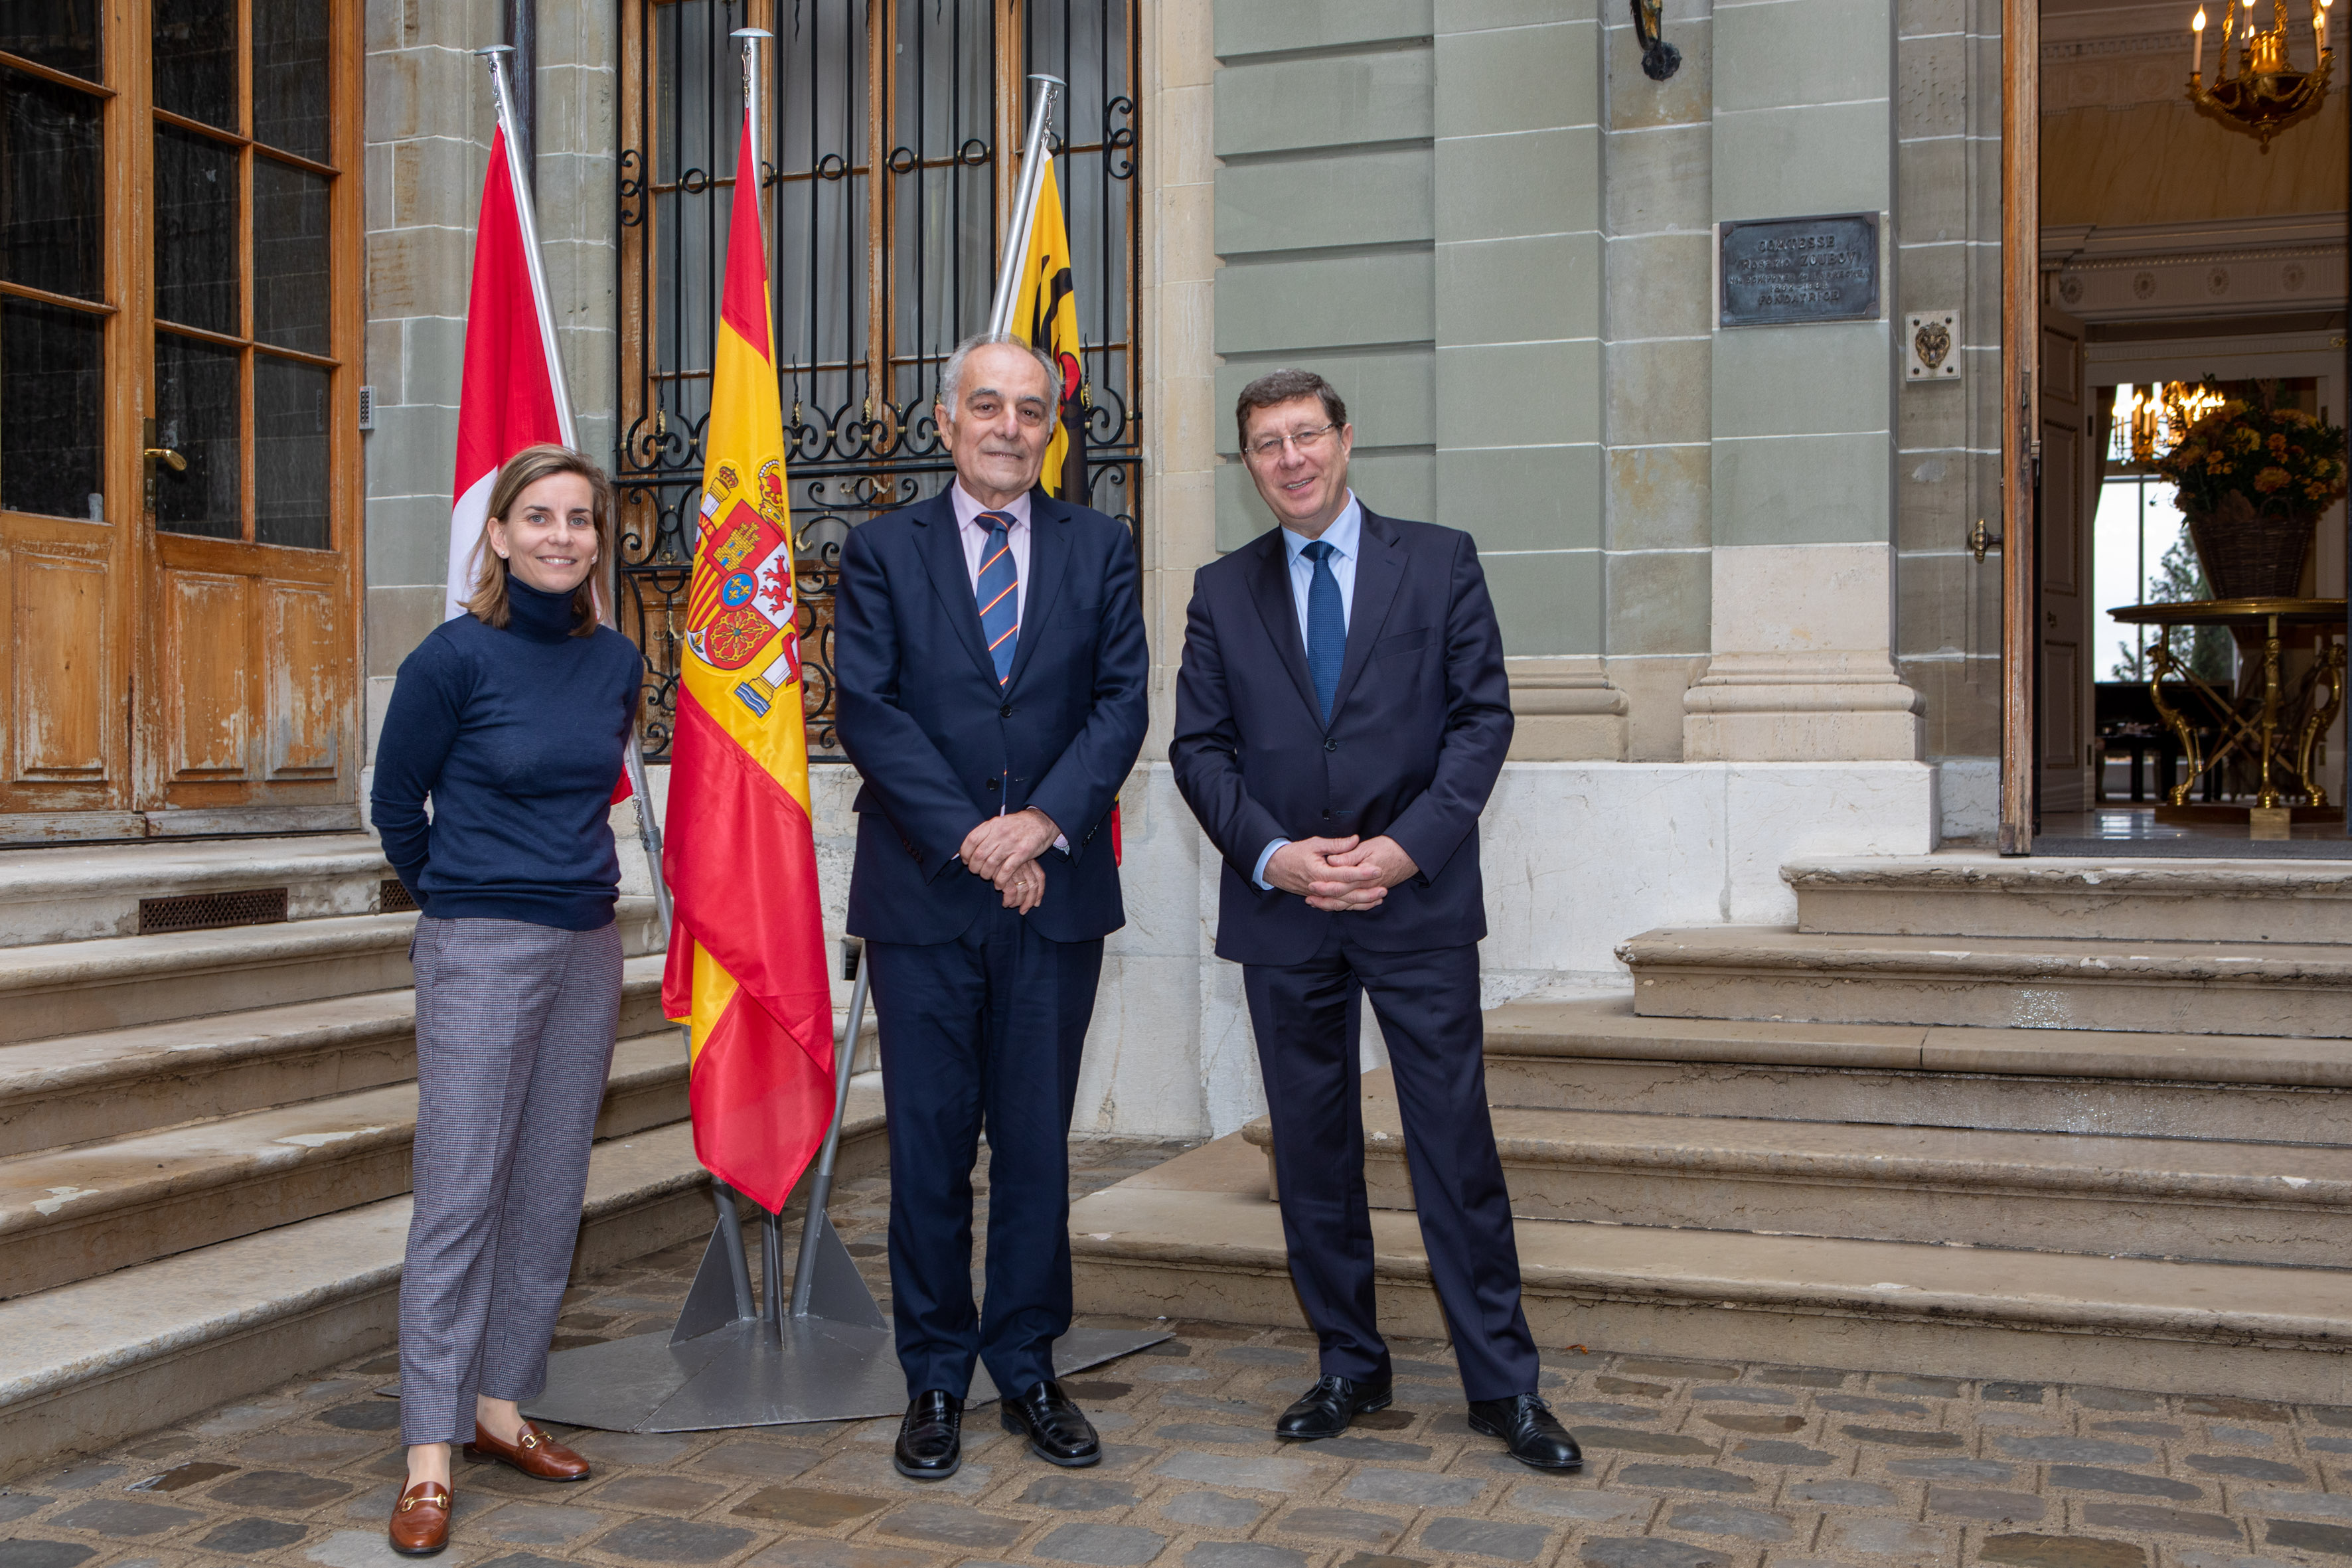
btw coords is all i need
(1268, 449)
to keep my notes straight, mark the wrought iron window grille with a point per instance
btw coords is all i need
(860, 436)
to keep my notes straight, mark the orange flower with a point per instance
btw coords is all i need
(2271, 480)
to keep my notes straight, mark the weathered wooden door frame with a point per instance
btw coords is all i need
(137, 686)
(2020, 344)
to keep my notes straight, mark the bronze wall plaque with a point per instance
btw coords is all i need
(1779, 272)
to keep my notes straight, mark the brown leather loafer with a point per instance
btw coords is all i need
(420, 1521)
(533, 1452)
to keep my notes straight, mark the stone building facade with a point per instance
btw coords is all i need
(1730, 562)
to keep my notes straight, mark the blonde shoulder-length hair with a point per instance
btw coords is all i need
(524, 469)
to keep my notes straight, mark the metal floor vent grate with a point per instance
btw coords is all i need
(210, 911)
(392, 897)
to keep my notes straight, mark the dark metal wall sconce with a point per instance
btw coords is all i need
(1660, 60)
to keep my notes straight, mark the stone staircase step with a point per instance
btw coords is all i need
(81, 893)
(1776, 974)
(2051, 1191)
(1196, 1238)
(75, 1213)
(87, 1364)
(121, 1082)
(114, 982)
(1597, 1053)
(1976, 894)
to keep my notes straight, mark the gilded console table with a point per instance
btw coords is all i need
(2281, 723)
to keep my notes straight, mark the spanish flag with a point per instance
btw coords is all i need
(1045, 311)
(747, 951)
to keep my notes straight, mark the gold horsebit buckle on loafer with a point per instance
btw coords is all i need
(431, 1499)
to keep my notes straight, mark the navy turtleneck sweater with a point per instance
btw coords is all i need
(516, 734)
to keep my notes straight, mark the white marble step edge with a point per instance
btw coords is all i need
(86, 892)
(2242, 1304)
(1783, 951)
(1607, 1027)
(182, 1051)
(111, 960)
(2054, 1165)
(101, 1360)
(58, 1189)
(2041, 874)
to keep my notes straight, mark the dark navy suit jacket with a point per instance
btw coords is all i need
(1417, 735)
(940, 746)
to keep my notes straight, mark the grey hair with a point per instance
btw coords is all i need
(952, 373)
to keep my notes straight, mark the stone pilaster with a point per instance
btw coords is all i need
(1177, 284)
(1656, 344)
(1802, 470)
(426, 143)
(1518, 321)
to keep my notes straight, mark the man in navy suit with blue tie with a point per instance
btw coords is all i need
(988, 646)
(1341, 716)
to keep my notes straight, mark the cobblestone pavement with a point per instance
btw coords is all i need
(1691, 1465)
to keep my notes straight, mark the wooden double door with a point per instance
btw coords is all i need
(179, 454)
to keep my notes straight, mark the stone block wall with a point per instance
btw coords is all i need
(1325, 219)
(428, 127)
(1947, 466)
(1658, 333)
(1495, 232)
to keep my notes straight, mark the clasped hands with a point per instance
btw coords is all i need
(1340, 874)
(1004, 849)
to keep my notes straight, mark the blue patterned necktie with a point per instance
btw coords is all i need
(998, 595)
(1327, 626)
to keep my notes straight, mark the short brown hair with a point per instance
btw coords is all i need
(1287, 386)
(524, 469)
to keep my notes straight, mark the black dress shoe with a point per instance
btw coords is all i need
(1325, 1410)
(930, 1439)
(1528, 1427)
(1057, 1430)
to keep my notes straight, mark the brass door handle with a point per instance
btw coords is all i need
(178, 464)
(1981, 538)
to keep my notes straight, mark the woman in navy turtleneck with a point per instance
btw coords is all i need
(511, 718)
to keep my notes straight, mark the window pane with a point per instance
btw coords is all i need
(290, 453)
(289, 76)
(52, 422)
(59, 34)
(196, 415)
(195, 231)
(291, 257)
(196, 59)
(50, 200)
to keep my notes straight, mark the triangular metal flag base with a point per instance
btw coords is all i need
(828, 1355)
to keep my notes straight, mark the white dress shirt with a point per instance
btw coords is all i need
(974, 536)
(1344, 536)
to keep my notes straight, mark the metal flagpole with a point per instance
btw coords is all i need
(831, 1356)
(633, 759)
(1024, 208)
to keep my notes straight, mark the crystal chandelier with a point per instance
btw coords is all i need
(2267, 94)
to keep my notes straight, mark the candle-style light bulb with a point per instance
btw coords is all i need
(2319, 24)
(2197, 70)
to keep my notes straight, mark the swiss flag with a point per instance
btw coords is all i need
(508, 400)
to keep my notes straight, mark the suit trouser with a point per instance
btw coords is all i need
(1306, 1017)
(514, 1040)
(980, 1034)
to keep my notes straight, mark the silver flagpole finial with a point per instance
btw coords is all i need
(751, 37)
(1034, 158)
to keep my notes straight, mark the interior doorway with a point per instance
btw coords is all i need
(2161, 258)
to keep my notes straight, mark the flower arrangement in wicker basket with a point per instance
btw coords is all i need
(2252, 480)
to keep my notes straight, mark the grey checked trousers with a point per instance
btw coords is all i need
(514, 1039)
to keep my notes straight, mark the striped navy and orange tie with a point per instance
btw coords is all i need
(999, 594)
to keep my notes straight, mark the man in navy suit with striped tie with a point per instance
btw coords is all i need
(989, 647)
(1341, 718)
